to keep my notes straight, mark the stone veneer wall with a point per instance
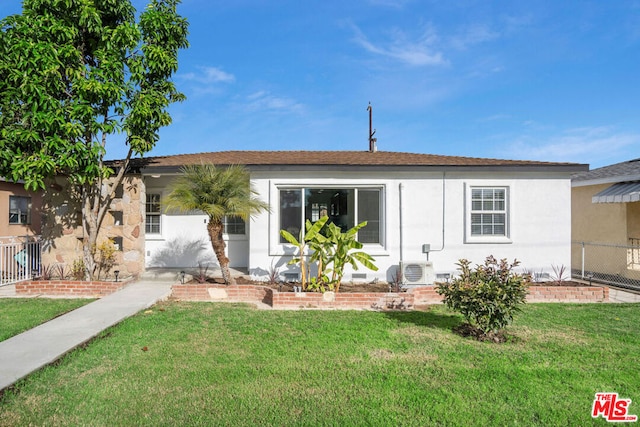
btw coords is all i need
(63, 234)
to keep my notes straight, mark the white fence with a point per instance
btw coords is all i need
(19, 258)
(611, 264)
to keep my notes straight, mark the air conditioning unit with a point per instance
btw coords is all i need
(415, 273)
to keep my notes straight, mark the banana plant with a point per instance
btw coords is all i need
(311, 231)
(345, 251)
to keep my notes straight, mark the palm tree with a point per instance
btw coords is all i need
(218, 193)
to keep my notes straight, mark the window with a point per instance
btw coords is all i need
(117, 217)
(233, 225)
(345, 207)
(19, 210)
(488, 212)
(152, 224)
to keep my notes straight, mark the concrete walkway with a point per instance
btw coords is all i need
(40, 346)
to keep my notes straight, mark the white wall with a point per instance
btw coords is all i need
(184, 241)
(539, 222)
(539, 215)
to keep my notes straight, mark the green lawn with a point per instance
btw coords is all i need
(20, 314)
(219, 364)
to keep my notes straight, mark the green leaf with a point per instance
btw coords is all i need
(289, 237)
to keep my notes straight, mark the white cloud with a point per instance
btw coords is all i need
(397, 4)
(209, 75)
(582, 145)
(418, 52)
(265, 101)
(493, 118)
(473, 35)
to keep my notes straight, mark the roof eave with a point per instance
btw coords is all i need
(540, 168)
(606, 180)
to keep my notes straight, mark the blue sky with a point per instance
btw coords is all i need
(544, 80)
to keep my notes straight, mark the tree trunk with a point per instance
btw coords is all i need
(215, 229)
(95, 205)
(90, 233)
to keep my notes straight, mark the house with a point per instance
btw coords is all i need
(20, 221)
(424, 212)
(606, 223)
(19, 210)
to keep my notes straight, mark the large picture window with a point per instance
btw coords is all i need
(345, 207)
(153, 214)
(19, 210)
(489, 212)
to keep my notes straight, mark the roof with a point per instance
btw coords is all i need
(619, 172)
(333, 160)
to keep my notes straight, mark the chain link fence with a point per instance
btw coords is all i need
(611, 264)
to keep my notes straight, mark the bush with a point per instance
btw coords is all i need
(488, 296)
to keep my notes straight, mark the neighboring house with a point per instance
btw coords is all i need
(606, 222)
(20, 221)
(419, 208)
(19, 210)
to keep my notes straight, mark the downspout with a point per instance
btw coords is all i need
(400, 188)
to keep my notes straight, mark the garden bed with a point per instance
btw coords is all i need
(364, 296)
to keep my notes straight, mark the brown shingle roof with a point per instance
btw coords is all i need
(337, 158)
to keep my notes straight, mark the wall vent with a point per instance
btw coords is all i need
(291, 277)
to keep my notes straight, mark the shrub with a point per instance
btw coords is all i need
(488, 296)
(106, 252)
(77, 269)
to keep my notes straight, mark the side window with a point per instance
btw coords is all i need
(234, 225)
(19, 210)
(153, 214)
(488, 213)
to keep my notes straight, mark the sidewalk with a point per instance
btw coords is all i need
(40, 346)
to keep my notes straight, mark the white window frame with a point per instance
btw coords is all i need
(345, 186)
(469, 211)
(226, 220)
(154, 214)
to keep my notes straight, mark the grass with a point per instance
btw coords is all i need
(20, 314)
(219, 364)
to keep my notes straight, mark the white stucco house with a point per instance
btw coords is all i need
(424, 211)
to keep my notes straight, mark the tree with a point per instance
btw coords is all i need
(218, 193)
(73, 73)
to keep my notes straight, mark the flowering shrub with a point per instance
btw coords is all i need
(488, 296)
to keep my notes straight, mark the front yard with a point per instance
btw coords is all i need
(222, 364)
(20, 314)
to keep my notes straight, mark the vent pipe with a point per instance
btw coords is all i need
(372, 140)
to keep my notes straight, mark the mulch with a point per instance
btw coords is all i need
(288, 287)
(358, 287)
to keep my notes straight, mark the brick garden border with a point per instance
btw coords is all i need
(414, 298)
(69, 288)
